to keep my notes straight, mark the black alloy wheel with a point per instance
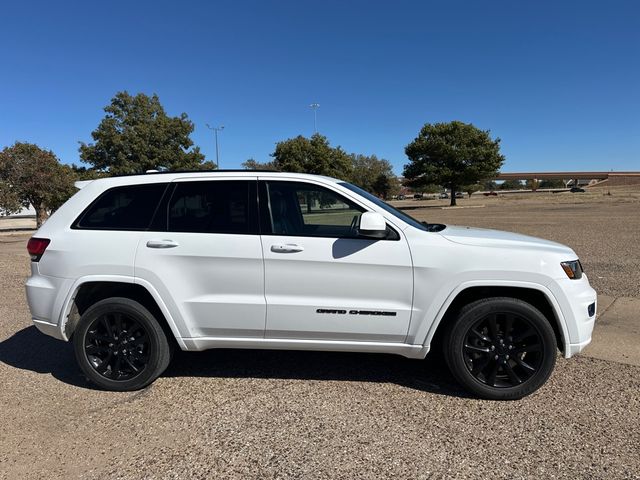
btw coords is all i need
(500, 348)
(503, 350)
(119, 345)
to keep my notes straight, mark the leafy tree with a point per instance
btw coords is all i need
(489, 185)
(137, 135)
(312, 155)
(367, 170)
(511, 185)
(551, 184)
(471, 188)
(252, 164)
(31, 175)
(452, 154)
(428, 188)
(382, 186)
(84, 173)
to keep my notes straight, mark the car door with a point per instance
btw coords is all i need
(323, 282)
(204, 256)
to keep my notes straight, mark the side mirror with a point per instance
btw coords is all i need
(372, 225)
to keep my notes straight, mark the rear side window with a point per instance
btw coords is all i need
(123, 208)
(222, 206)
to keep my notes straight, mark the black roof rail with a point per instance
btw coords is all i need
(232, 170)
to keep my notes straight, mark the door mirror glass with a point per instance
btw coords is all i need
(372, 225)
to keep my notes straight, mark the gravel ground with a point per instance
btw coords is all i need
(261, 414)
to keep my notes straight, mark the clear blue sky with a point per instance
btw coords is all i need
(559, 82)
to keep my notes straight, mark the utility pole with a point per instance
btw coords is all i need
(315, 107)
(215, 132)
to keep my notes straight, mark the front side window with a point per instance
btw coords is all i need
(302, 209)
(123, 208)
(223, 206)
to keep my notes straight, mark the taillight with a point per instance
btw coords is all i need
(36, 247)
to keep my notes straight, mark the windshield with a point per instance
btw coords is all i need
(385, 206)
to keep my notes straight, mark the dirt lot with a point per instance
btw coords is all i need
(250, 414)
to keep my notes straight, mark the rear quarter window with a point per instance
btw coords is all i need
(122, 208)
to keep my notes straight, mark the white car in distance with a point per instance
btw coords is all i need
(132, 267)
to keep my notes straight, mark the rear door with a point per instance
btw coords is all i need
(322, 282)
(204, 256)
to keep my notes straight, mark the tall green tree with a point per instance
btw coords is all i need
(452, 154)
(30, 175)
(312, 155)
(367, 170)
(137, 135)
(381, 186)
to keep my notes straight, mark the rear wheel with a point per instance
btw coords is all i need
(119, 345)
(500, 348)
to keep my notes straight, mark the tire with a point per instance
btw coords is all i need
(118, 362)
(500, 348)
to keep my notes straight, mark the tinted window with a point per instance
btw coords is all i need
(224, 206)
(304, 209)
(123, 208)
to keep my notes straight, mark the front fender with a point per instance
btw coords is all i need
(431, 318)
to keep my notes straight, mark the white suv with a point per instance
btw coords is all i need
(132, 266)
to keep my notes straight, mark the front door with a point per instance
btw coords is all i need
(322, 282)
(204, 256)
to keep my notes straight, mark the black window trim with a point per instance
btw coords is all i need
(75, 225)
(264, 203)
(253, 213)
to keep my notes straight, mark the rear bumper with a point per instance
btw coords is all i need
(46, 297)
(51, 329)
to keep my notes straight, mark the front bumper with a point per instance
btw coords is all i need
(574, 298)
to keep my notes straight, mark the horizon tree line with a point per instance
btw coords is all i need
(137, 135)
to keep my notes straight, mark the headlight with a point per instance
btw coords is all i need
(573, 269)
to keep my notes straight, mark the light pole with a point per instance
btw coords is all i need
(315, 107)
(215, 132)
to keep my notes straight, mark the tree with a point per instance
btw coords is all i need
(489, 185)
(252, 164)
(382, 186)
(511, 185)
(471, 188)
(137, 135)
(312, 155)
(367, 170)
(452, 154)
(31, 175)
(551, 184)
(84, 173)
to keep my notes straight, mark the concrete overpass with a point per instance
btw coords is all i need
(568, 177)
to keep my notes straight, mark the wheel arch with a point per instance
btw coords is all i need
(89, 290)
(535, 294)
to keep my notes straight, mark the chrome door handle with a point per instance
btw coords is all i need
(161, 244)
(286, 248)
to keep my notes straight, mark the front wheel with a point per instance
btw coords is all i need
(500, 348)
(119, 345)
